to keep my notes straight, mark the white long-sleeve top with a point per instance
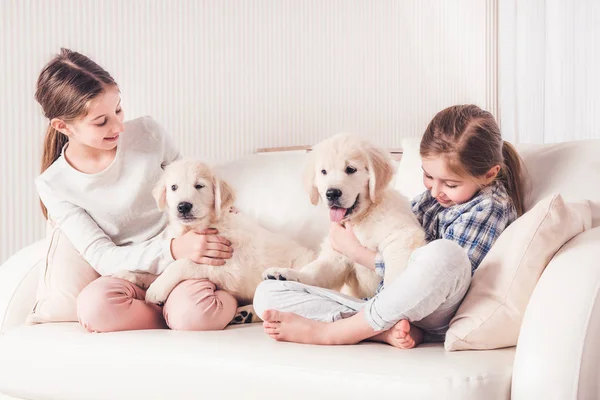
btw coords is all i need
(111, 217)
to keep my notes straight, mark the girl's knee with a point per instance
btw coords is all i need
(443, 253)
(265, 296)
(94, 298)
(446, 247)
(195, 305)
(102, 303)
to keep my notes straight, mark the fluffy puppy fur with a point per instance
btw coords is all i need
(194, 198)
(351, 176)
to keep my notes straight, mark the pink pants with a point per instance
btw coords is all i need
(112, 304)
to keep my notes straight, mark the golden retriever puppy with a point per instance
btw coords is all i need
(351, 176)
(195, 198)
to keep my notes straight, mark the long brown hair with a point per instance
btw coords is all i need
(65, 88)
(469, 138)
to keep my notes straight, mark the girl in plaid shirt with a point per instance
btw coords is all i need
(473, 181)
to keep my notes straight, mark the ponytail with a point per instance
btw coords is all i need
(65, 88)
(471, 140)
(511, 176)
(53, 145)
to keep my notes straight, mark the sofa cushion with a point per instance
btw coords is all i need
(63, 276)
(571, 169)
(490, 316)
(409, 178)
(62, 361)
(269, 187)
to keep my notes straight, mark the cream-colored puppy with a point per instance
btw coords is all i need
(195, 198)
(351, 176)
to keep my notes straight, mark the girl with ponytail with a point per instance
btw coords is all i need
(474, 191)
(95, 187)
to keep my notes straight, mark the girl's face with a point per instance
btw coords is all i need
(101, 127)
(448, 188)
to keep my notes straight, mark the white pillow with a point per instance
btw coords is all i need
(491, 313)
(63, 277)
(571, 169)
(409, 178)
(269, 187)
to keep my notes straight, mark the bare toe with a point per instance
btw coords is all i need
(271, 316)
(404, 328)
(268, 324)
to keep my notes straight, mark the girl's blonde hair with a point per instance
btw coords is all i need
(65, 88)
(470, 141)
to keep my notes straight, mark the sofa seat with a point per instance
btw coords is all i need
(240, 361)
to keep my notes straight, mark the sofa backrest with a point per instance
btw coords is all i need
(269, 187)
(571, 169)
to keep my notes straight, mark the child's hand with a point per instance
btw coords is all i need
(202, 247)
(344, 240)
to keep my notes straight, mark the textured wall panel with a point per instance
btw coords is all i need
(549, 62)
(227, 77)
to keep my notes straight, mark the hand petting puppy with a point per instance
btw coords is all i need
(202, 247)
(344, 241)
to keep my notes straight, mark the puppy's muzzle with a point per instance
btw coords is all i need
(184, 208)
(333, 195)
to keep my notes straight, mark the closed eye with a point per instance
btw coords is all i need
(106, 119)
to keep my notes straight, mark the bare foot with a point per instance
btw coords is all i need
(290, 327)
(403, 335)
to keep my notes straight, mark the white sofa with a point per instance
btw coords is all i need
(557, 356)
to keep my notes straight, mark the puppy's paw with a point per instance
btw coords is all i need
(281, 274)
(157, 294)
(245, 315)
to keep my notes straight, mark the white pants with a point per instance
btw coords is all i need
(427, 294)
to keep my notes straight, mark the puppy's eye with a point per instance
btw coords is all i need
(323, 172)
(199, 186)
(350, 170)
(174, 187)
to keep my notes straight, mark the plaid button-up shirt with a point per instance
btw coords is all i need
(474, 225)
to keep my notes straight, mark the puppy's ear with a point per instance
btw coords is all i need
(309, 178)
(224, 197)
(381, 171)
(160, 193)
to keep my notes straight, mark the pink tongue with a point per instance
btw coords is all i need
(336, 214)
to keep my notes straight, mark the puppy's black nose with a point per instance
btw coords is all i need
(333, 194)
(184, 207)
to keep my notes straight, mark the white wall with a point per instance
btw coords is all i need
(227, 77)
(549, 79)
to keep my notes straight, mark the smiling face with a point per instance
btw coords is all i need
(191, 193)
(445, 186)
(99, 129)
(348, 175)
(449, 188)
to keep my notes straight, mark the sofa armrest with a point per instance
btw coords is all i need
(18, 284)
(559, 343)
